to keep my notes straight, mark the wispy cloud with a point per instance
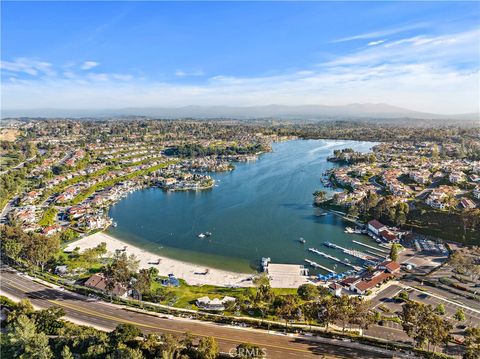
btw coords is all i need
(181, 73)
(27, 66)
(87, 65)
(382, 33)
(374, 43)
(425, 73)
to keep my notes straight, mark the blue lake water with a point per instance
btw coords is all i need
(260, 209)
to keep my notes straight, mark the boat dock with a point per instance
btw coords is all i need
(371, 247)
(352, 252)
(316, 265)
(316, 251)
(376, 254)
(355, 253)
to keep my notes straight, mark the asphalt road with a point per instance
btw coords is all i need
(107, 316)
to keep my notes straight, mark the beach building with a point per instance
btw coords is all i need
(376, 227)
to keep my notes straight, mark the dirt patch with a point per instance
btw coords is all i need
(8, 134)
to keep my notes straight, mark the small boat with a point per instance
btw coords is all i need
(114, 224)
(349, 230)
(301, 240)
(208, 234)
(329, 245)
(201, 235)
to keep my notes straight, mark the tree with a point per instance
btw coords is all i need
(403, 295)
(310, 312)
(287, 308)
(207, 348)
(472, 343)
(360, 313)
(120, 270)
(460, 315)
(440, 309)
(421, 323)
(124, 352)
(394, 252)
(143, 282)
(124, 332)
(24, 341)
(12, 248)
(414, 319)
(169, 347)
(307, 291)
(353, 211)
(346, 310)
(47, 320)
(40, 249)
(328, 311)
(66, 353)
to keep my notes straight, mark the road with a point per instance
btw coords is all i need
(106, 316)
(6, 209)
(19, 165)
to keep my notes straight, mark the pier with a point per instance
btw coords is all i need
(316, 265)
(316, 251)
(371, 247)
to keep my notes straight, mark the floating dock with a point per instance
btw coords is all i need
(316, 251)
(316, 265)
(376, 254)
(351, 252)
(371, 247)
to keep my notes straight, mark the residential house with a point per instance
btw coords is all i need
(51, 230)
(98, 281)
(476, 192)
(456, 177)
(467, 203)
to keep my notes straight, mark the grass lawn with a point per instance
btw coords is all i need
(187, 294)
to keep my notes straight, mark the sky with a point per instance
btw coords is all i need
(424, 56)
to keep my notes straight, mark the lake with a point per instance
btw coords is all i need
(260, 209)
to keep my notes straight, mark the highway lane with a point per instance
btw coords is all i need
(107, 316)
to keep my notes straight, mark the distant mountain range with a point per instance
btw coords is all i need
(305, 112)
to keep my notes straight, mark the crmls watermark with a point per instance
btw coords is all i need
(246, 352)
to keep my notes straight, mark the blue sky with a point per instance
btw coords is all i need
(424, 56)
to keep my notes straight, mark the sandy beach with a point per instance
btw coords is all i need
(191, 273)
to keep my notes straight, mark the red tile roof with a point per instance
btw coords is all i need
(376, 224)
(368, 284)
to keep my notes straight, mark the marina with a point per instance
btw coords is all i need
(325, 255)
(371, 247)
(255, 211)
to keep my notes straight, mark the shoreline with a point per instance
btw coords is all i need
(193, 274)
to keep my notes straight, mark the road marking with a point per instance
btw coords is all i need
(110, 317)
(444, 299)
(106, 316)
